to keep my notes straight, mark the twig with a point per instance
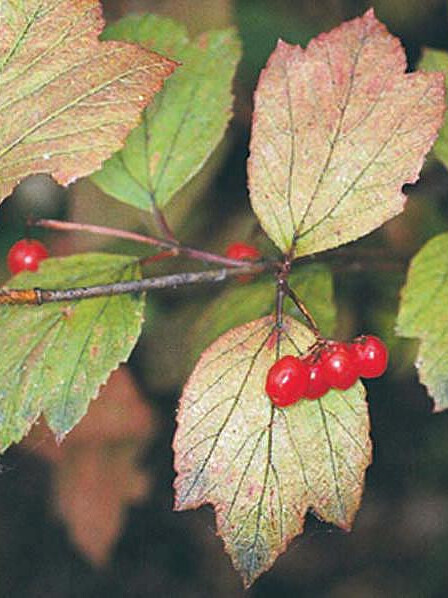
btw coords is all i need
(190, 252)
(39, 296)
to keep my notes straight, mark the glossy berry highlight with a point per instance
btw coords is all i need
(26, 254)
(287, 381)
(340, 366)
(317, 385)
(371, 355)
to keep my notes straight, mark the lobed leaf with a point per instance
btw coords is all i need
(56, 356)
(338, 129)
(437, 61)
(262, 467)
(423, 314)
(67, 100)
(186, 123)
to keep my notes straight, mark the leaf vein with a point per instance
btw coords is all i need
(332, 461)
(226, 419)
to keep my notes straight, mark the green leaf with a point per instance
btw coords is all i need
(241, 303)
(423, 314)
(150, 31)
(437, 60)
(262, 467)
(56, 356)
(338, 129)
(189, 119)
(67, 100)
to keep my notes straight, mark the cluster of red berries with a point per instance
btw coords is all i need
(26, 254)
(333, 365)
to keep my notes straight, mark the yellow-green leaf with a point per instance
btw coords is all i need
(67, 100)
(56, 356)
(262, 467)
(183, 127)
(423, 315)
(437, 61)
(338, 129)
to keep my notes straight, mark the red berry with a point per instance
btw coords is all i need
(317, 382)
(26, 254)
(242, 251)
(340, 366)
(372, 356)
(286, 381)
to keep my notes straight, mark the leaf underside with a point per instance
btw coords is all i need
(56, 356)
(67, 100)
(185, 124)
(338, 129)
(423, 314)
(261, 467)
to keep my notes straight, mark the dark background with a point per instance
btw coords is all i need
(399, 544)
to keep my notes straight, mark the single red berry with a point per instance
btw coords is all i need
(26, 254)
(340, 366)
(317, 382)
(286, 381)
(242, 251)
(372, 356)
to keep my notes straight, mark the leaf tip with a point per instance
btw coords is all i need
(370, 19)
(283, 46)
(251, 560)
(346, 524)
(370, 14)
(59, 437)
(438, 393)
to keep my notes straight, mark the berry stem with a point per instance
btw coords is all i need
(304, 310)
(197, 254)
(158, 257)
(279, 300)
